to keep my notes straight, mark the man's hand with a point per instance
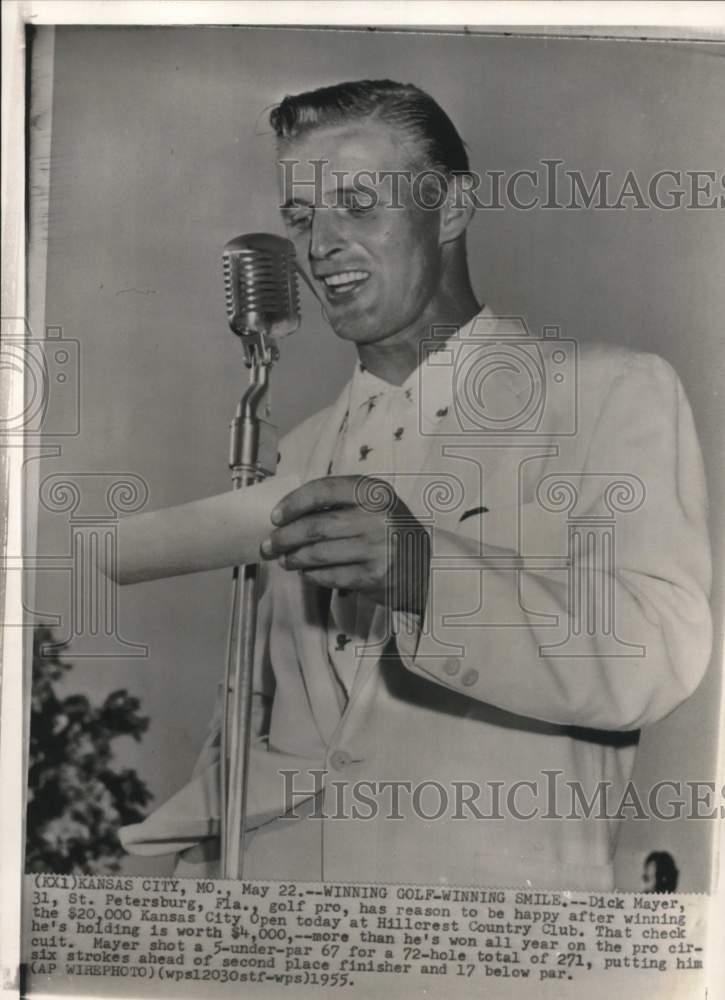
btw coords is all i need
(353, 533)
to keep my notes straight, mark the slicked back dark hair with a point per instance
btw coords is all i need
(404, 107)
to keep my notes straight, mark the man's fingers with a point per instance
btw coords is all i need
(307, 530)
(318, 494)
(335, 577)
(345, 552)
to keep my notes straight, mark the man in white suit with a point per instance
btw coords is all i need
(496, 569)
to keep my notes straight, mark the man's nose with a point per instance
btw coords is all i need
(326, 237)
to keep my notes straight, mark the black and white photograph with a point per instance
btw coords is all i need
(371, 465)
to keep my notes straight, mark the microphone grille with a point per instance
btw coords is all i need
(260, 285)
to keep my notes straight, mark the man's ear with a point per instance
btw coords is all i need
(456, 211)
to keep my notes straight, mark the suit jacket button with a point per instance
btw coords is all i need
(469, 678)
(452, 666)
(340, 759)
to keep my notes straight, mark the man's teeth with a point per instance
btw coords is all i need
(344, 278)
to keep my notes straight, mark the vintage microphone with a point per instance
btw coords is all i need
(262, 303)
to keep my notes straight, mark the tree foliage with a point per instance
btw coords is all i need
(77, 800)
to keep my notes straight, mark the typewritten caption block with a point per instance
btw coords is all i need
(165, 936)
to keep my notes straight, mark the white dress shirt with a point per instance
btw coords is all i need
(380, 435)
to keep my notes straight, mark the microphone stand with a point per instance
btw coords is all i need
(252, 456)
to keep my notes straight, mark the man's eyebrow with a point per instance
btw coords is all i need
(338, 195)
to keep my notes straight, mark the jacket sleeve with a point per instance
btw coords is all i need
(658, 646)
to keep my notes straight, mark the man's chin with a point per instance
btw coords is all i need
(352, 328)
(356, 334)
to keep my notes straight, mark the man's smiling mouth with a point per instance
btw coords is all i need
(344, 282)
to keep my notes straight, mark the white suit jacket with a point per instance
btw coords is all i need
(527, 678)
